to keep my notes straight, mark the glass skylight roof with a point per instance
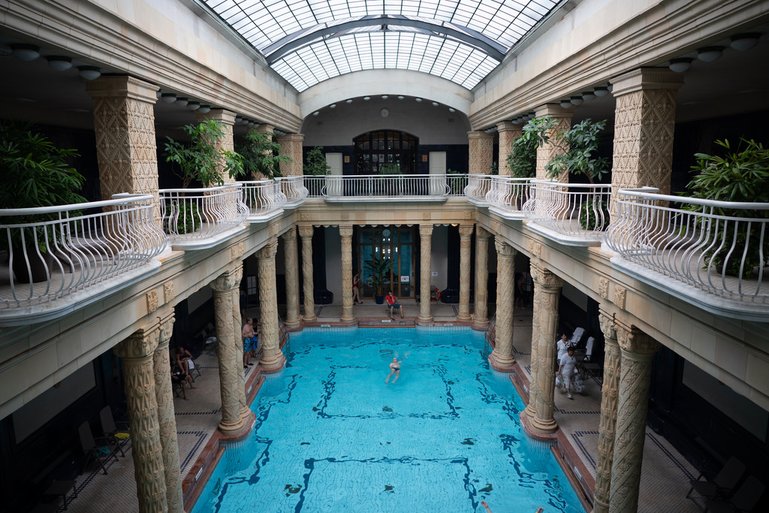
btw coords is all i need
(308, 41)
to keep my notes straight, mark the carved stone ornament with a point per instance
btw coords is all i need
(603, 288)
(152, 301)
(535, 248)
(237, 250)
(168, 291)
(619, 296)
(140, 344)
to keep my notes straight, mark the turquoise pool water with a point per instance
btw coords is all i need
(331, 436)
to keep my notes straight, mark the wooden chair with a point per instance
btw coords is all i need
(101, 453)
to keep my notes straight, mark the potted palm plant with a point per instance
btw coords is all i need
(261, 155)
(379, 267)
(36, 173)
(522, 160)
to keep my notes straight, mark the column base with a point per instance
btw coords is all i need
(293, 325)
(232, 429)
(273, 363)
(309, 319)
(480, 325)
(424, 321)
(599, 507)
(527, 421)
(501, 364)
(543, 427)
(464, 318)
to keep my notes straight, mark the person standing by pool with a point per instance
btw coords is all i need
(566, 368)
(395, 369)
(356, 289)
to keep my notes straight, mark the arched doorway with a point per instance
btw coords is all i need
(385, 152)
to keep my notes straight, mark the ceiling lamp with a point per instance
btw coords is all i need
(89, 72)
(25, 52)
(451, 109)
(680, 64)
(332, 106)
(5, 49)
(418, 100)
(400, 97)
(744, 42)
(709, 53)
(315, 113)
(59, 62)
(193, 106)
(588, 95)
(601, 91)
(576, 100)
(435, 104)
(167, 97)
(565, 104)
(204, 109)
(366, 98)
(384, 97)
(182, 100)
(349, 101)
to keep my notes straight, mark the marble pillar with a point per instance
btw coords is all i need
(237, 327)
(547, 292)
(425, 274)
(345, 233)
(608, 421)
(501, 358)
(167, 417)
(137, 353)
(508, 133)
(293, 320)
(644, 122)
(291, 147)
(637, 350)
(228, 342)
(305, 233)
(226, 120)
(480, 148)
(465, 241)
(272, 357)
(481, 314)
(545, 152)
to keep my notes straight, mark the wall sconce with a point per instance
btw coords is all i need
(680, 64)
(709, 53)
(59, 62)
(89, 72)
(744, 42)
(25, 52)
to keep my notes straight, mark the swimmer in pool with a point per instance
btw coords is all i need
(395, 368)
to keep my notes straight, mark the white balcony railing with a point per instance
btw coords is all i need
(571, 213)
(457, 183)
(718, 247)
(477, 188)
(293, 189)
(314, 185)
(507, 195)
(200, 217)
(263, 199)
(49, 253)
(386, 187)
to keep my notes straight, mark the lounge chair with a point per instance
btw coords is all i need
(721, 486)
(101, 453)
(743, 501)
(116, 437)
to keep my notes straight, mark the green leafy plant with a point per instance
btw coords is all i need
(202, 160)
(261, 155)
(522, 160)
(741, 174)
(315, 163)
(380, 271)
(390, 169)
(580, 157)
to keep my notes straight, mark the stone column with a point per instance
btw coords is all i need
(465, 239)
(137, 353)
(644, 122)
(237, 327)
(552, 148)
(501, 358)
(226, 120)
(607, 424)
(345, 232)
(124, 125)
(292, 279)
(529, 412)
(425, 276)
(167, 417)
(291, 146)
(230, 367)
(272, 357)
(480, 147)
(637, 350)
(481, 316)
(547, 292)
(508, 133)
(305, 233)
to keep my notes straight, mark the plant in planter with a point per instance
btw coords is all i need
(380, 272)
(522, 160)
(740, 175)
(261, 155)
(36, 173)
(315, 163)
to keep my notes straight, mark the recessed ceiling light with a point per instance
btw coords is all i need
(451, 110)
(315, 113)
(435, 104)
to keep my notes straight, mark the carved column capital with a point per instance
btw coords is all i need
(228, 280)
(481, 234)
(466, 231)
(425, 230)
(305, 231)
(140, 344)
(633, 341)
(345, 230)
(166, 324)
(606, 320)
(269, 250)
(504, 249)
(545, 278)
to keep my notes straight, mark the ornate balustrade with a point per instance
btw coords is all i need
(48, 254)
(341, 188)
(201, 218)
(292, 187)
(507, 195)
(569, 213)
(263, 199)
(477, 188)
(686, 245)
(314, 185)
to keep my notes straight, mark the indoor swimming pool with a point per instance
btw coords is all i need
(331, 435)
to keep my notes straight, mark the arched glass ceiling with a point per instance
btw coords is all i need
(314, 40)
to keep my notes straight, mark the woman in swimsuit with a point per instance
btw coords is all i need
(395, 368)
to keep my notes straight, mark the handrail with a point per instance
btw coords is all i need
(508, 194)
(262, 198)
(408, 187)
(53, 252)
(477, 187)
(718, 247)
(293, 189)
(195, 215)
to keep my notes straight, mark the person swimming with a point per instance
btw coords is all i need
(395, 369)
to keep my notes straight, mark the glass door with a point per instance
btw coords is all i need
(393, 245)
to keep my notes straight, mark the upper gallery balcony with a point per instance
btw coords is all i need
(430, 188)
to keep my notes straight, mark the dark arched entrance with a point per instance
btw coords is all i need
(385, 152)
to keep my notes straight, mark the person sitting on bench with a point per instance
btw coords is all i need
(392, 304)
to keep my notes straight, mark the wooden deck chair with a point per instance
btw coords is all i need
(743, 501)
(117, 437)
(722, 485)
(93, 452)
